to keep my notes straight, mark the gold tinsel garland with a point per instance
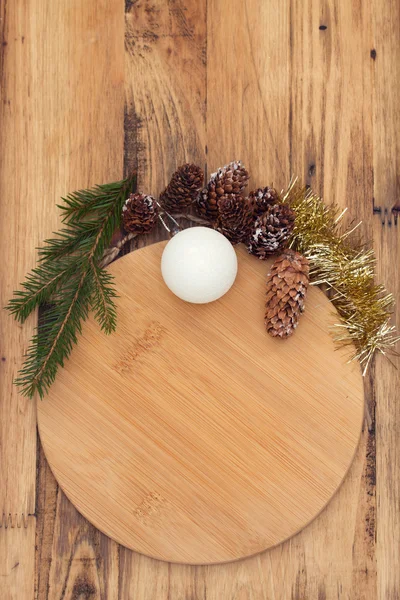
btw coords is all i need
(345, 267)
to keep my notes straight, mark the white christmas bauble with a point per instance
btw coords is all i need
(199, 265)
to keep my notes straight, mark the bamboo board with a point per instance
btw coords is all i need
(192, 436)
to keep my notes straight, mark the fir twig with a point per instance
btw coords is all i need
(82, 203)
(69, 277)
(69, 240)
(103, 299)
(112, 252)
(54, 343)
(39, 287)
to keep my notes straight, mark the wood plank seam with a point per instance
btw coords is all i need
(370, 464)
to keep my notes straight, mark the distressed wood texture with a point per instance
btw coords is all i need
(386, 127)
(307, 88)
(18, 222)
(61, 123)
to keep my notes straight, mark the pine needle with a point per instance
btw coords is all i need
(69, 278)
(103, 299)
(39, 287)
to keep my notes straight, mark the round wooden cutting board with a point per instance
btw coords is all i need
(192, 436)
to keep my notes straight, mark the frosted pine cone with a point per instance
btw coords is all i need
(230, 179)
(183, 188)
(235, 218)
(271, 231)
(286, 291)
(139, 213)
(260, 200)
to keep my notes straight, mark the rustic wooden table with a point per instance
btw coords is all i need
(88, 91)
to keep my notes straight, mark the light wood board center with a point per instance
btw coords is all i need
(192, 436)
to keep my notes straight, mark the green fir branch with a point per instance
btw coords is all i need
(69, 240)
(39, 287)
(58, 333)
(78, 205)
(102, 299)
(69, 277)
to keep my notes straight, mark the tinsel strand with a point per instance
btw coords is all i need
(345, 267)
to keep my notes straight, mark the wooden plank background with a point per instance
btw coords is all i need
(309, 88)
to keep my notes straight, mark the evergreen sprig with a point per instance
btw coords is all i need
(102, 299)
(68, 277)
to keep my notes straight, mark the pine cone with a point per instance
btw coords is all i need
(271, 230)
(139, 213)
(231, 179)
(260, 200)
(286, 290)
(183, 189)
(235, 218)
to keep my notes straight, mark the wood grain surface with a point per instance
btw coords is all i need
(191, 435)
(307, 88)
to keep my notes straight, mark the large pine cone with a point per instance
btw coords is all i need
(271, 231)
(139, 213)
(286, 290)
(260, 200)
(234, 218)
(230, 179)
(183, 188)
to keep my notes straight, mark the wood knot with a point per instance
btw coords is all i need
(83, 589)
(129, 5)
(149, 508)
(150, 339)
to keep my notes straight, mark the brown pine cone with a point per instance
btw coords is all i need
(271, 230)
(139, 213)
(183, 189)
(234, 218)
(230, 179)
(260, 200)
(286, 290)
